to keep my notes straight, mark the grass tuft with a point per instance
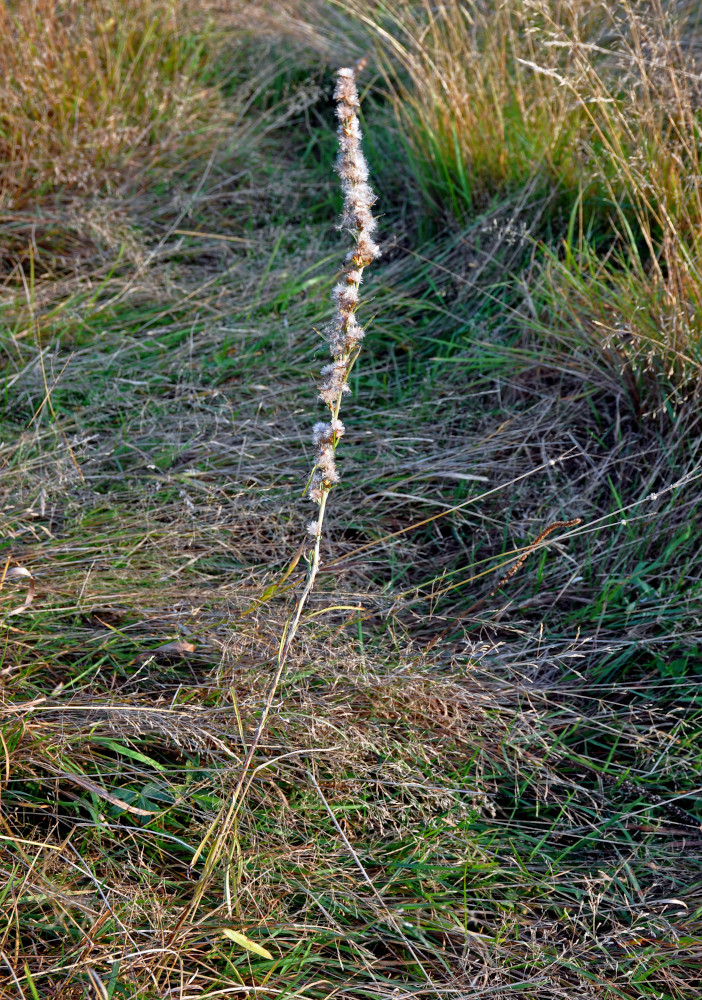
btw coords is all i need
(592, 111)
(94, 90)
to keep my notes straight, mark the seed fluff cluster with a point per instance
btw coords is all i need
(344, 333)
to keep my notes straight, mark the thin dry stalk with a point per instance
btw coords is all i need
(344, 335)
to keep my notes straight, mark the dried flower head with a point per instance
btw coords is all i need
(323, 434)
(327, 465)
(316, 491)
(334, 382)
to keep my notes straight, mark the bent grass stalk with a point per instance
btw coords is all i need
(344, 335)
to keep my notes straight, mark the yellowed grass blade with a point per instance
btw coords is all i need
(245, 942)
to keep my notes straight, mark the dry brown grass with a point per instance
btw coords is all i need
(91, 90)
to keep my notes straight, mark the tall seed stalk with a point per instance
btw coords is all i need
(344, 335)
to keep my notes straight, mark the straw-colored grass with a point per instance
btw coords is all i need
(591, 108)
(91, 90)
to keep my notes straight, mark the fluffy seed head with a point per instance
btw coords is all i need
(327, 465)
(321, 433)
(345, 89)
(345, 296)
(324, 434)
(364, 253)
(334, 381)
(352, 169)
(316, 492)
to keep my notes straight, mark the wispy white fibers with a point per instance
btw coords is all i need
(344, 333)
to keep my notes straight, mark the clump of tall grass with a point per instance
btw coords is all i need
(88, 90)
(477, 123)
(592, 108)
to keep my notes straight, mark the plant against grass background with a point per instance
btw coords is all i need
(344, 335)
(524, 796)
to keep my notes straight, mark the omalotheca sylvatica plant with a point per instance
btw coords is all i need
(344, 335)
